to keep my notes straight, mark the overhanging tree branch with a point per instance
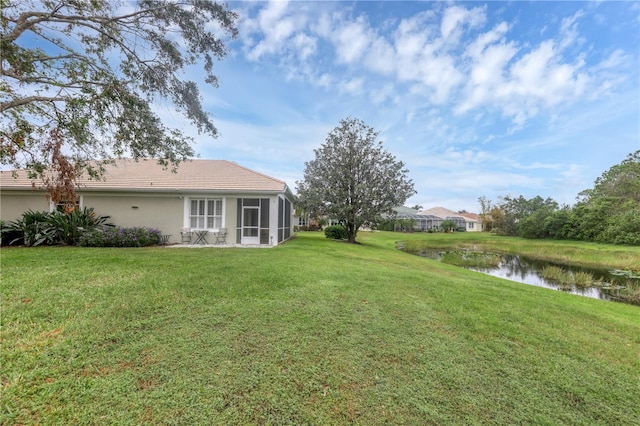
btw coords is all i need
(86, 88)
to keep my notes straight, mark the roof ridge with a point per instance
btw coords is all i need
(146, 173)
(253, 171)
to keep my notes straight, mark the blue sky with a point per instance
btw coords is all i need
(476, 98)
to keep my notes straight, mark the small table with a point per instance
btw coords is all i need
(164, 239)
(201, 236)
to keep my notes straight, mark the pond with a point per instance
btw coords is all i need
(603, 284)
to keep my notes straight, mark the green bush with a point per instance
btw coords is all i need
(624, 227)
(120, 237)
(69, 227)
(31, 228)
(336, 232)
(386, 225)
(58, 227)
(9, 235)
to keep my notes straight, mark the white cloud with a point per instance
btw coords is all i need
(305, 45)
(419, 58)
(455, 17)
(569, 31)
(275, 25)
(380, 57)
(353, 86)
(324, 80)
(381, 94)
(351, 39)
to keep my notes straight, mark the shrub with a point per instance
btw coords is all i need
(405, 225)
(9, 235)
(69, 227)
(31, 228)
(386, 225)
(43, 228)
(120, 237)
(336, 232)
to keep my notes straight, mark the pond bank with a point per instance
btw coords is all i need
(595, 282)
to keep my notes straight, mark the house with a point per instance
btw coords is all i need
(469, 221)
(210, 195)
(473, 222)
(431, 219)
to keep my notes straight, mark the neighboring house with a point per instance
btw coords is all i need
(421, 222)
(431, 219)
(202, 195)
(473, 222)
(469, 221)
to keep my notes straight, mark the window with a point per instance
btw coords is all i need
(206, 214)
(66, 206)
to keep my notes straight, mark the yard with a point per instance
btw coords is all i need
(311, 332)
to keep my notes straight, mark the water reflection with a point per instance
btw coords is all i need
(529, 271)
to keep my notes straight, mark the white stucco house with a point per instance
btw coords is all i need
(203, 195)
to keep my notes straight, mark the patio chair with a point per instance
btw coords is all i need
(221, 236)
(185, 233)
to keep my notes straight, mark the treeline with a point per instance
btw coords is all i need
(607, 213)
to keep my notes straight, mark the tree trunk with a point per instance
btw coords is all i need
(351, 232)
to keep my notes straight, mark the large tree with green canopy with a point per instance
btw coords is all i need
(353, 178)
(79, 78)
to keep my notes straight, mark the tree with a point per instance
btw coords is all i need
(449, 225)
(417, 207)
(485, 216)
(524, 217)
(353, 178)
(622, 181)
(606, 212)
(79, 78)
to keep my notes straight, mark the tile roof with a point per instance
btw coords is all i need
(196, 175)
(472, 216)
(440, 212)
(444, 213)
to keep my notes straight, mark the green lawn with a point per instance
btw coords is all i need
(312, 332)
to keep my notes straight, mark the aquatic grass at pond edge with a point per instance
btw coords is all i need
(471, 258)
(566, 278)
(311, 332)
(619, 284)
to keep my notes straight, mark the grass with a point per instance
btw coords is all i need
(311, 332)
(471, 259)
(566, 279)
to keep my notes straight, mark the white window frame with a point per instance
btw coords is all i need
(79, 204)
(202, 219)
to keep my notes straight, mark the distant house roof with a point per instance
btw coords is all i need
(445, 213)
(471, 216)
(440, 212)
(148, 175)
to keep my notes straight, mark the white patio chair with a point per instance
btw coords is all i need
(185, 234)
(221, 236)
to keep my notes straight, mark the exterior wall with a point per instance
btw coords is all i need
(162, 212)
(273, 220)
(230, 217)
(167, 212)
(13, 204)
(473, 226)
